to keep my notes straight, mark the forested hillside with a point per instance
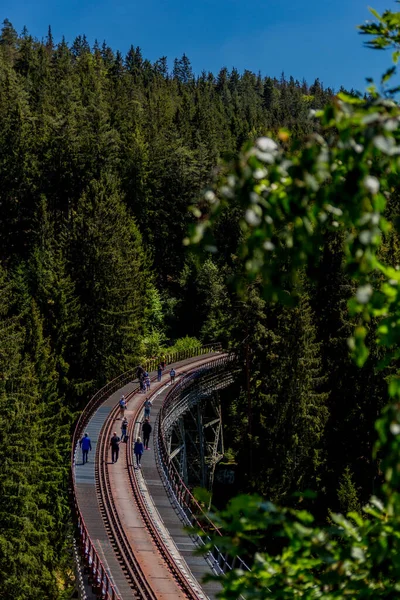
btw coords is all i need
(101, 156)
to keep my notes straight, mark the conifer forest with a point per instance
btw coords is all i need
(108, 163)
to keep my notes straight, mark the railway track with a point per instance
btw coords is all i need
(132, 564)
(129, 562)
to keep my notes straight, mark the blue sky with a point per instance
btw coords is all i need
(303, 38)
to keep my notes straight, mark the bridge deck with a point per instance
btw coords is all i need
(150, 479)
(88, 500)
(140, 539)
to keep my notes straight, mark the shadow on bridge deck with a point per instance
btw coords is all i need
(167, 511)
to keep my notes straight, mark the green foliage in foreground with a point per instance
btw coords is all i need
(342, 180)
(355, 557)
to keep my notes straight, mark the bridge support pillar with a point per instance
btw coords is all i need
(196, 441)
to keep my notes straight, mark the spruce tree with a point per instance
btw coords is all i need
(26, 553)
(282, 409)
(110, 270)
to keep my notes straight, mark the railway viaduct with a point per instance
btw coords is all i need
(136, 529)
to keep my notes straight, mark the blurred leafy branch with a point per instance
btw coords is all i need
(341, 179)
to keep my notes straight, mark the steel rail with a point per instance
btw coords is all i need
(147, 518)
(129, 562)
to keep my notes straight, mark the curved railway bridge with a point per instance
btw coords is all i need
(131, 541)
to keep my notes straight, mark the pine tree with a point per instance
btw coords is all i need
(280, 415)
(8, 41)
(356, 396)
(347, 494)
(110, 270)
(107, 55)
(26, 553)
(17, 164)
(182, 70)
(47, 280)
(50, 40)
(161, 67)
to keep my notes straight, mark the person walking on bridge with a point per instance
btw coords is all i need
(147, 407)
(146, 433)
(159, 372)
(115, 441)
(86, 445)
(124, 428)
(147, 381)
(138, 450)
(122, 406)
(172, 375)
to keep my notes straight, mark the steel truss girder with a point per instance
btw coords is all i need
(192, 427)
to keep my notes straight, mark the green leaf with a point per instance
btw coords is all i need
(388, 74)
(375, 13)
(349, 99)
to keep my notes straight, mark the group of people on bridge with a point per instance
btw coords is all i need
(139, 447)
(144, 379)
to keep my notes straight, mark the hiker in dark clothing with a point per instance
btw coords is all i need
(159, 372)
(146, 433)
(139, 372)
(138, 450)
(124, 428)
(85, 444)
(115, 441)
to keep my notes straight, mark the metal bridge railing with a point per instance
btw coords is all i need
(198, 385)
(98, 577)
(191, 511)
